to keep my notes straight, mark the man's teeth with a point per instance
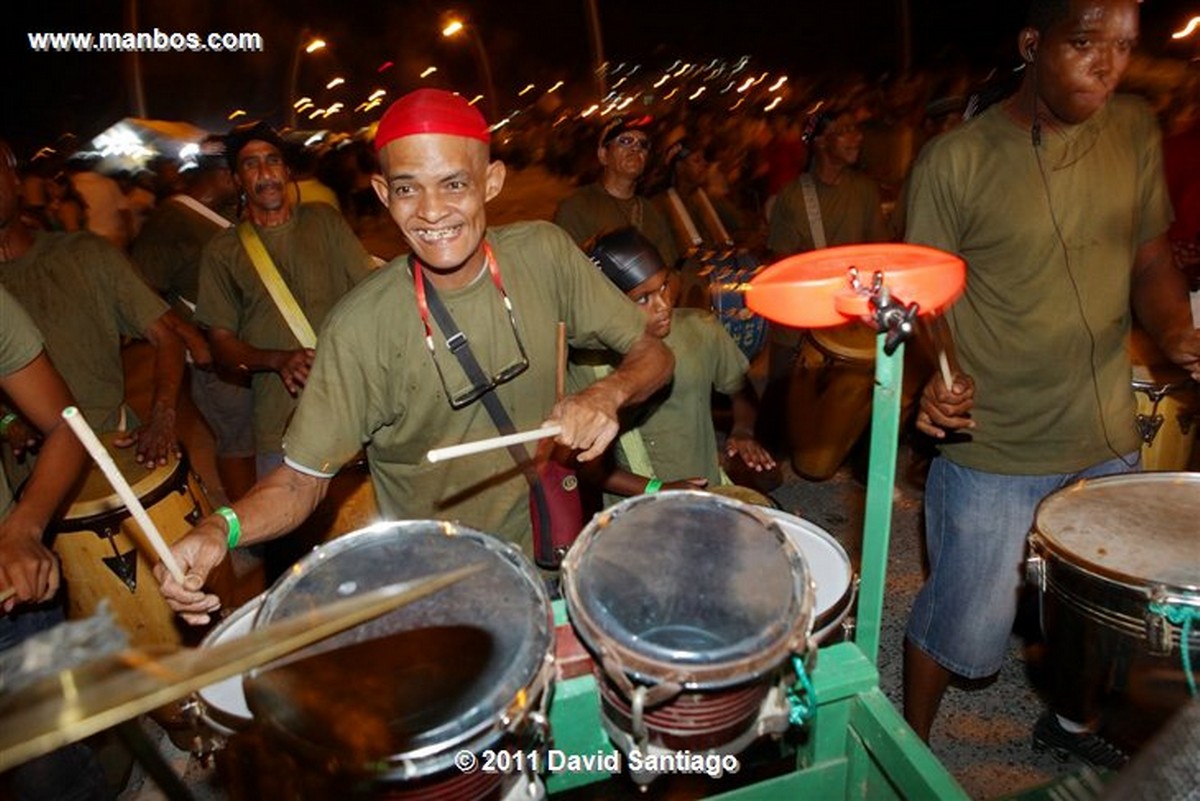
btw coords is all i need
(438, 234)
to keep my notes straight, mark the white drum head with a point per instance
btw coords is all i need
(225, 705)
(829, 564)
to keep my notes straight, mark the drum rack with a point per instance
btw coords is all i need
(857, 746)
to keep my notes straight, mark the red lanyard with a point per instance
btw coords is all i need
(418, 271)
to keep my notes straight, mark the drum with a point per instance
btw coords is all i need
(222, 707)
(104, 554)
(833, 577)
(692, 638)
(1115, 559)
(392, 701)
(716, 280)
(829, 398)
(1167, 406)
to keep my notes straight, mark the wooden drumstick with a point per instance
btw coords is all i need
(105, 461)
(481, 445)
(944, 364)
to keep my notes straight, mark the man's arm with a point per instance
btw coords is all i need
(25, 564)
(275, 506)
(589, 418)
(1160, 302)
(156, 440)
(232, 353)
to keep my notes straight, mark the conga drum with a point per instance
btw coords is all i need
(105, 555)
(394, 704)
(829, 399)
(693, 606)
(1167, 406)
(1116, 561)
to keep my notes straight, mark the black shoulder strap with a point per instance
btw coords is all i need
(456, 342)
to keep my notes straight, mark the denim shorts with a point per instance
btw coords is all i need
(976, 524)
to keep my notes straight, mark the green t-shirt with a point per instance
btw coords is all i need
(167, 251)
(591, 210)
(850, 214)
(319, 259)
(374, 382)
(1097, 194)
(676, 423)
(84, 295)
(20, 343)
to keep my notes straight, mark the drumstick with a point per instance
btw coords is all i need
(481, 445)
(105, 461)
(6, 594)
(944, 363)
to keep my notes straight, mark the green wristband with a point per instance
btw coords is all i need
(652, 486)
(233, 524)
(6, 421)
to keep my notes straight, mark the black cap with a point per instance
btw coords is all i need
(246, 133)
(626, 257)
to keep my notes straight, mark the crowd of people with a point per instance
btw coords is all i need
(245, 275)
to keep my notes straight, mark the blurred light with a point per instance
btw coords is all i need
(618, 83)
(555, 88)
(671, 93)
(760, 79)
(697, 93)
(233, 115)
(301, 102)
(1188, 29)
(728, 86)
(746, 84)
(775, 86)
(315, 45)
(475, 100)
(315, 138)
(189, 151)
(316, 114)
(624, 104)
(740, 101)
(377, 93)
(121, 140)
(454, 27)
(307, 105)
(741, 65)
(501, 124)
(387, 65)
(336, 107)
(528, 88)
(335, 82)
(428, 71)
(662, 80)
(774, 102)
(681, 70)
(45, 152)
(589, 111)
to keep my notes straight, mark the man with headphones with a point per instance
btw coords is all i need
(1056, 200)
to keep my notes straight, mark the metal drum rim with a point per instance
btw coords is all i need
(825, 621)
(213, 637)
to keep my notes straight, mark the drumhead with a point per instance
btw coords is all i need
(1138, 529)
(854, 341)
(398, 695)
(688, 587)
(96, 496)
(829, 565)
(225, 702)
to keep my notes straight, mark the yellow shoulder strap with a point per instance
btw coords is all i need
(284, 300)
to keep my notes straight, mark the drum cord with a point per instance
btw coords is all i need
(1036, 133)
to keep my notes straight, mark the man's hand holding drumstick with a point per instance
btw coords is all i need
(949, 396)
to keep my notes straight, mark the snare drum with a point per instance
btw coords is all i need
(717, 280)
(1167, 406)
(392, 701)
(1111, 557)
(833, 577)
(691, 635)
(829, 400)
(104, 554)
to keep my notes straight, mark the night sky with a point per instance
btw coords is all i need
(45, 94)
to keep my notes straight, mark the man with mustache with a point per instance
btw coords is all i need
(318, 258)
(1056, 199)
(385, 372)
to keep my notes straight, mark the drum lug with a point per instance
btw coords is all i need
(123, 565)
(1148, 426)
(1035, 571)
(1158, 634)
(1185, 423)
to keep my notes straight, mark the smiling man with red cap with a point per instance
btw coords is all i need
(387, 373)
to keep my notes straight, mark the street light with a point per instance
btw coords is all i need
(455, 26)
(304, 44)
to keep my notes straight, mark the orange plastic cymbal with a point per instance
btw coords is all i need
(813, 290)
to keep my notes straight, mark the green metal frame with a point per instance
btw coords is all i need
(859, 746)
